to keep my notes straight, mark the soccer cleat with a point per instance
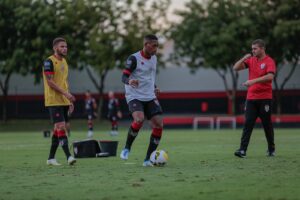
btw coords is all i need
(240, 153)
(52, 162)
(147, 163)
(113, 133)
(90, 134)
(71, 160)
(270, 153)
(124, 154)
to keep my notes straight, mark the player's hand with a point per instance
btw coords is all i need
(248, 55)
(119, 114)
(70, 97)
(71, 109)
(157, 91)
(133, 83)
(248, 83)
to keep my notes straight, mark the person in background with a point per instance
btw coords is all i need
(90, 109)
(114, 112)
(58, 98)
(262, 70)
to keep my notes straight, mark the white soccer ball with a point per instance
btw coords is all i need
(159, 158)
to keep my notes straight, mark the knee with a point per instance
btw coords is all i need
(60, 126)
(157, 132)
(139, 120)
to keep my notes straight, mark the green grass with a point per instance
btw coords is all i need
(201, 166)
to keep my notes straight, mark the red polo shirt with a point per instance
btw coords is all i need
(258, 68)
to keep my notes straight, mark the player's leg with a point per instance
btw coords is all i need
(265, 116)
(90, 126)
(60, 127)
(251, 114)
(68, 128)
(153, 112)
(54, 140)
(114, 125)
(136, 108)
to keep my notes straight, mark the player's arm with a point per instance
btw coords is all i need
(240, 64)
(49, 74)
(94, 104)
(131, 64)
(118, 108)
(156, 90)
(263, 79)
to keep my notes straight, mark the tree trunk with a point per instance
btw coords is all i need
(4, 88)
(278, 90)
(231, 93)
(101, 90)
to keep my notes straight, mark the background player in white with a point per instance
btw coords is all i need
(140, 92)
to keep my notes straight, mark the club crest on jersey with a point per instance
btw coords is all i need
(262, 66)
(62, 67)
(47, 65)
(267, 108)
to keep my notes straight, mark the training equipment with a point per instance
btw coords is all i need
(91, 149)
(159, 158)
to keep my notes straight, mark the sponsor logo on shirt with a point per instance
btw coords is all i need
(62, 67)
(267, 108)
(47, 65)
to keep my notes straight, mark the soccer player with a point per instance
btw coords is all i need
(58, 99)
(140, 92)
(261, 69)
(114, 112)
(90, 109)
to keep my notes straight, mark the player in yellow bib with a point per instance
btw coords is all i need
(58, 99)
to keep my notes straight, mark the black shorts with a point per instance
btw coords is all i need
(150, 108)
(113, 118)
(91, 116)
(59, 113)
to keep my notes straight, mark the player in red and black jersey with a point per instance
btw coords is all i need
(262, 70)
(114, 112)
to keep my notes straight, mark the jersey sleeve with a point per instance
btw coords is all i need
(130, 66)
(271, 67)
(48, 67)
(247, 62)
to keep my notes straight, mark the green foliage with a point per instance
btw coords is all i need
(216, 34)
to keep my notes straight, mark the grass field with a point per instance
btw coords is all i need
(201, 166)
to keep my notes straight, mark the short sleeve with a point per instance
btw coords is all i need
(271, 67)
(131, 64)
(48, 67)
(247, 62)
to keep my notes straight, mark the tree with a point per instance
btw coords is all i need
(287, 32)
(116, 34)
(213, 36)
(278, 23)
(22, 45)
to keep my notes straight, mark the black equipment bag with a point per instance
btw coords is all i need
(87, 149)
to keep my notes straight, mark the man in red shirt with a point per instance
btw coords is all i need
(259, 96)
